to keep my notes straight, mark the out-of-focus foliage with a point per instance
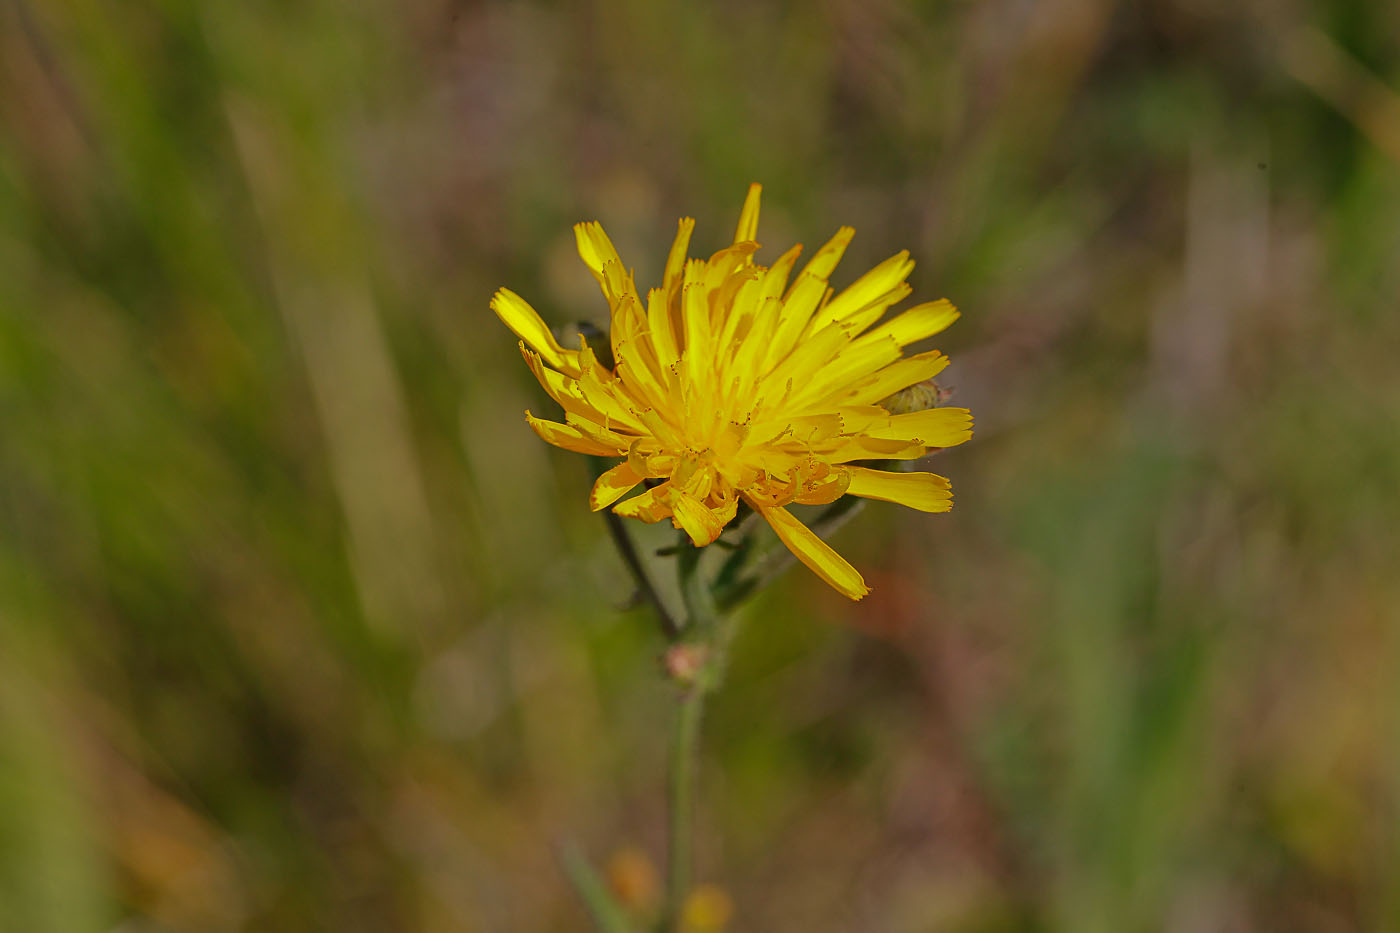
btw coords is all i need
(301, 628)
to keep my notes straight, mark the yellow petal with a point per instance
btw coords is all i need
(934, 427)
(515, 312)
(856, 362)
(640, 373)
(617, 283)
(721, 268)
(881, 280)
(748, 217)
(650, 506)
(866, 315)
(801, 302)
(809, 357)
(695, 315)
(872, 448)
(628, 319)
(893, 378)
(603, 397)
(775, 279)
(660, 329)
(815, 553)
(561, 388)
(640, 454)
(927, 492)
(613, 485)
(726, 510)
(823, 263)
(595, 432)
(828, 490)
(918, 322)
(675, 262)
(748, 358)
(699, 522)
(596, 250)
(813, 429)
(740, 318)
(772, 460)
(571, 438)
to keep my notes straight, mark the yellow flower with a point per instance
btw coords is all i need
(728, 383)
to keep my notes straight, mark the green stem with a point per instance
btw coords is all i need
(695, 590)
(685, 754)
(699, 635)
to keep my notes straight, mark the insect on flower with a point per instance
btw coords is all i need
(731, 382)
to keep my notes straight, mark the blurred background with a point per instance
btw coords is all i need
(301, 628)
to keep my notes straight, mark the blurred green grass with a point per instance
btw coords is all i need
(301, 628)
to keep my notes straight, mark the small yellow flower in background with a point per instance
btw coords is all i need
(708, 909)
(729, 383)
(632, 878)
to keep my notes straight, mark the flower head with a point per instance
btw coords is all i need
(738, 381)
